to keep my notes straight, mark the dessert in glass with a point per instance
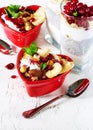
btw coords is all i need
(76, 34)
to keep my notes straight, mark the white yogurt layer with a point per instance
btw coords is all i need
(9, 23)
(75, 33)
(27, 62)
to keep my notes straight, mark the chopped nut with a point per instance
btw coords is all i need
(50, 62)
(57, 68)
(23, 69)
(27, 74)
(28, 26)
(34, 78)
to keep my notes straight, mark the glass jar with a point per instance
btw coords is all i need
(76, 40)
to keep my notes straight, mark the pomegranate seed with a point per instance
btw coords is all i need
(22, 8)
(75, 11)
(22, 29)
(13, 76)
(7, 18)
(79, 5)
(91, 7)
(87, 10)
(75, 1)
(49, 67)
(81, 11)
(44, 59)
(25, 15)
(70, 19)
(91, 13)
(50, 57)
(10, 66)
(2, 11)
(44, 77)
(32, 20)
(72, 8)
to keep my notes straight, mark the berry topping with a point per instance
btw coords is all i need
(22, 18)
(78, 13)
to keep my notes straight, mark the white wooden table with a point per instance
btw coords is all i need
(64, 114)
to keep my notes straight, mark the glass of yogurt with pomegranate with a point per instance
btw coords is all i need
(76, 32)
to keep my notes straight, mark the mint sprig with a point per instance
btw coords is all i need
(32, 49)
(75, 13)
(12, 10)
(43, 65)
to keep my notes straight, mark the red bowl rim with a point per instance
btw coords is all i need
(40, 81)
(5, 25)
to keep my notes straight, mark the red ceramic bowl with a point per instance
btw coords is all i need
(18, 38)
(41, 87)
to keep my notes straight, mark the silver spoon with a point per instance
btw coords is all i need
(73, 90)
(5, 48)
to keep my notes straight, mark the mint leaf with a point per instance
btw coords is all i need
(8, 12)
(15, 15)
(43, 65)
(27, 50)
(12, 10)
(32, 49)
(75, 13)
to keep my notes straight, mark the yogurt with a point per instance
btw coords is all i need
(74, 32)
(9, 23)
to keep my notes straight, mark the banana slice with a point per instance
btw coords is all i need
(40, 16)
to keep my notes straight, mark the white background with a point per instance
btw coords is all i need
(64, 114)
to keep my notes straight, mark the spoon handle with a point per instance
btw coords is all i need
(32, 112)
(5, 48)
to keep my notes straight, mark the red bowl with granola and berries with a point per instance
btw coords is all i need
(22, 26)
(39, 82)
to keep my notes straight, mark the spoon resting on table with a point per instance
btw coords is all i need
(5, 48)
(74, 90)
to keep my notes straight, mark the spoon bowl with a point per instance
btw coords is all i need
(74, 90)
